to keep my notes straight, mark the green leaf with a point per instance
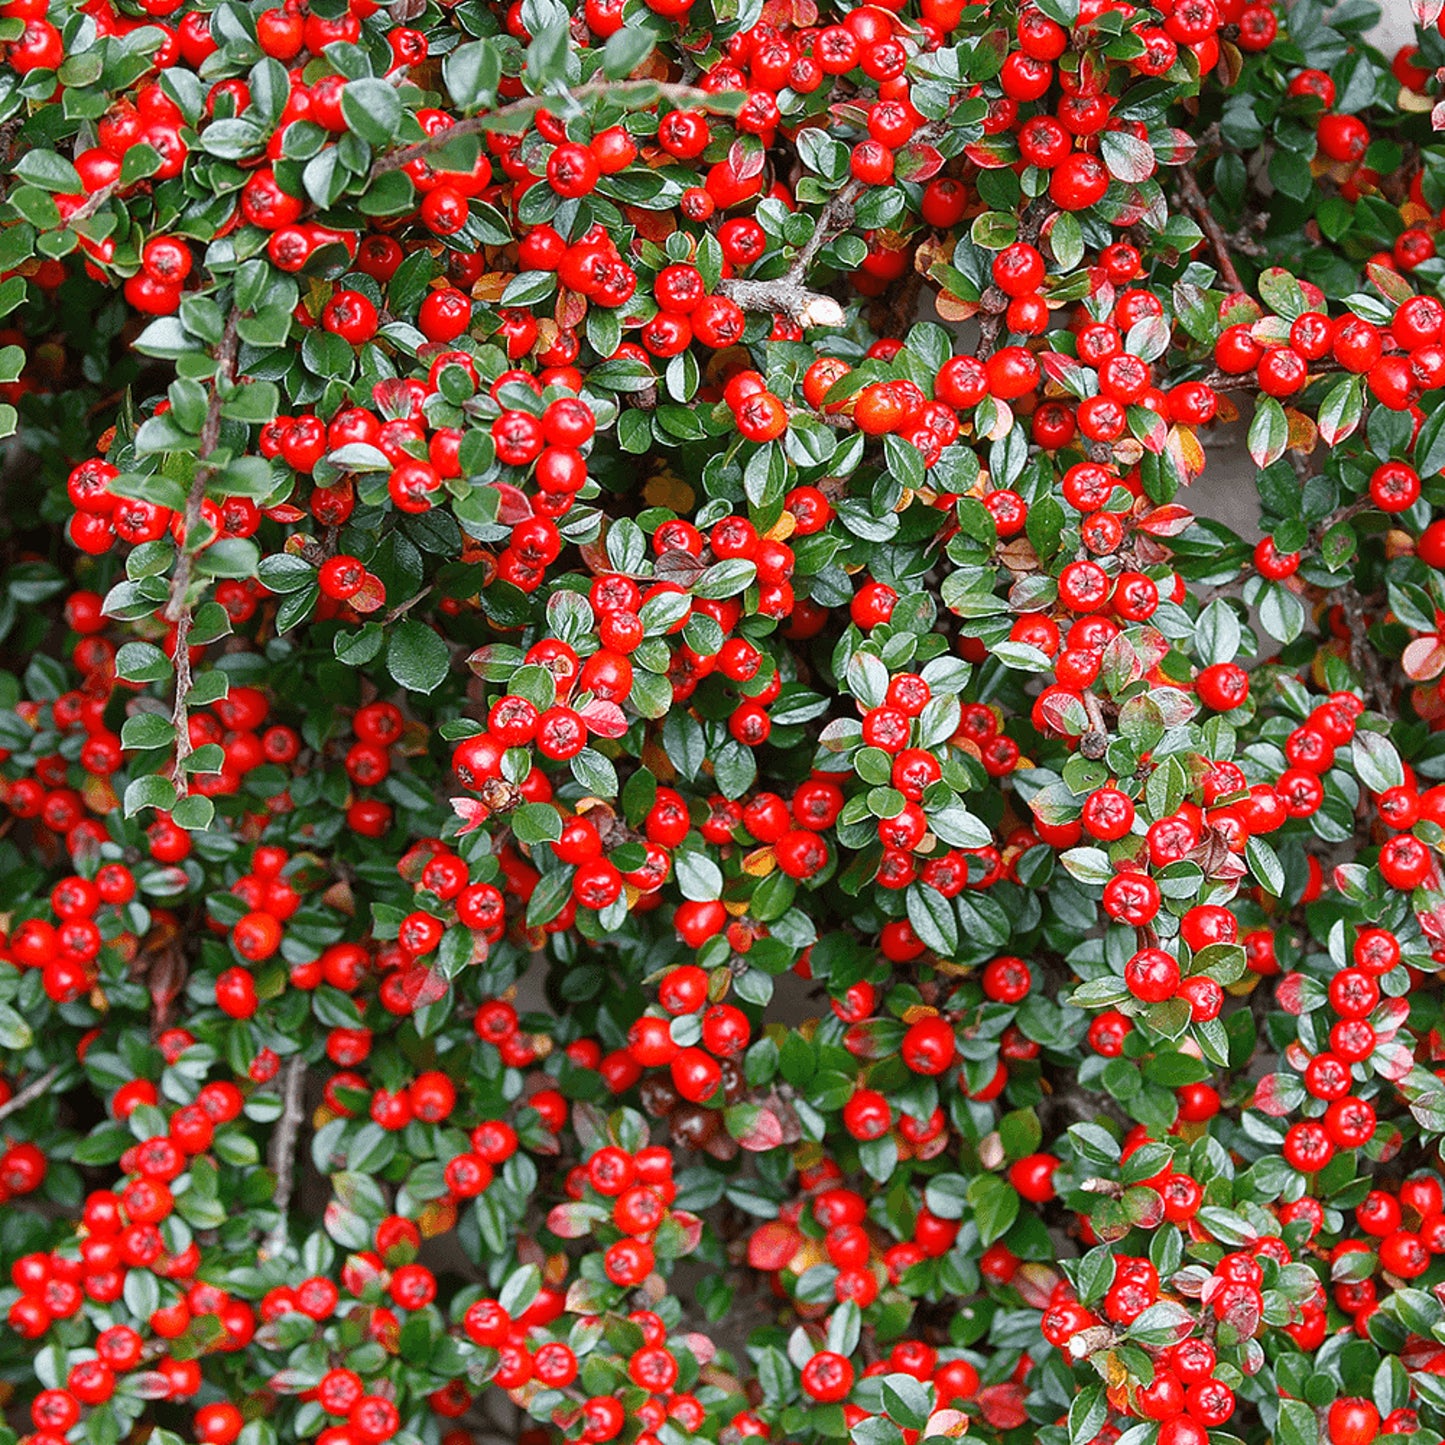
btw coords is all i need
(995, 1206)
(372, 109)
(1281, 612)
(908, 1401)
(147, 730)
(1282, 294)
(472, 72)
(193, 813)
(626, 50)
(1342, 408)
(142, 662)
(547, 53)
(282, 572)
(140, 161)
(595, 773)
(1087, 1413)
(529, 287)
(1296, 1424)
(1289, 173)
(54, 173)
(416, 657)
(358, 648)
(151, 791)
(993, 230)
(15, 1033)
(1268, 432)
(1066, 239)
(1127, 157)
(1265, 865)
(536, 823)
(1377, 764)
(933, 919)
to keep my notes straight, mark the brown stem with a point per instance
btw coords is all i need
(1095, 743)
(836, 217)
(402, 608)
(992, 307)
(1363, 658)
(789, 294)
(644, 91)
(1341, 514)
(1218, 241)
(30, 1093)
(784, 296)
(178, 608)
(283, 1151)
(92, 204)
(1248, 380)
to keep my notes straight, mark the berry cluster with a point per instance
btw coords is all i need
(634, 793)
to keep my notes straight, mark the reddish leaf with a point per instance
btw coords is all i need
(1289, 994)
(371, 598)
(1392, 1061)
(394, 399)
(745, 156)
(1068, 373)
(1390, 1018)
(1423, 658)
(421, 986)
(763, 1133)
(991, 154)
(918, 162)
(1389, 283)
(1003, 1406)
(1238, 309)
(574, 1221)
(605, 719)
(1166, 522)
(1148, 426)
(690, 1228)
(948, 1424)
(772, 1245)
(514, 506)
(283, 1382)
(1270, 1098)
(702, 1349)
(472, 813)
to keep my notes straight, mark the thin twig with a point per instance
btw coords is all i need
(30, 1093)
(1249, 380)
(1363, 658)
(92, 204)
(1218, 241)
(178, 608)
(402, 608)
(283, 1151)
(644, 91)
(789, 294)
(1095, 743)
(1340, 514)
(836, 217)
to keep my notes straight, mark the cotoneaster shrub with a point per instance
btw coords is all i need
(613, 837)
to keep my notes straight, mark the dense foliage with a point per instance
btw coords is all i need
(613, 837)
